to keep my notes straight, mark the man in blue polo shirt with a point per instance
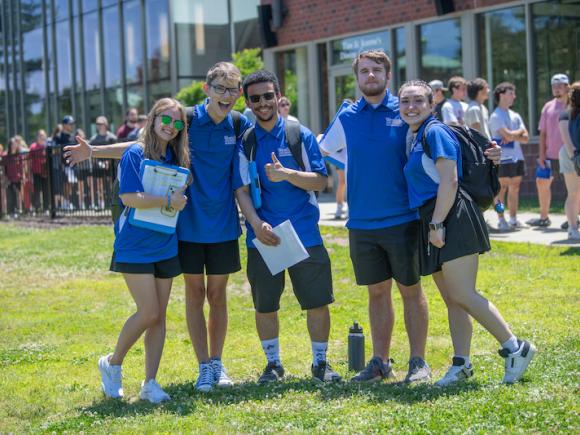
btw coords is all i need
(286, 194)
(383, 230)
(208, 228)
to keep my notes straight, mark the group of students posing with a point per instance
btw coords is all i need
(414, 221)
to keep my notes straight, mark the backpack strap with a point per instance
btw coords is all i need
(189, 113)
(237, 119)
(426, 148)
(294, 142)
(249, 143)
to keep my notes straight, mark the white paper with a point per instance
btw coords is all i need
(159, 180)
(289, 252)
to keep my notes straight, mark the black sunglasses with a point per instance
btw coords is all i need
(268, 96)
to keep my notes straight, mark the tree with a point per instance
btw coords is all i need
(248, 61)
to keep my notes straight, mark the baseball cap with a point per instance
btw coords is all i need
(560, 79)
(68, 120)
(437, 84)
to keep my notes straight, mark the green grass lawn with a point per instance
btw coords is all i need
(61, 310)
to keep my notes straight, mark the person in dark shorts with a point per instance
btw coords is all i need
(286, 194)
(508, 130)
(383, 230)
(147, 258)
(452, 234)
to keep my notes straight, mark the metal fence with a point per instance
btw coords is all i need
(39, 183)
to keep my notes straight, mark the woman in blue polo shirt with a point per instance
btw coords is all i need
(146, 258)
(452, 235)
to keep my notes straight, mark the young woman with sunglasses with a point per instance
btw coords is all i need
(452, 235)
(147, 259)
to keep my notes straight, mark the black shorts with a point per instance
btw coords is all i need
(311, 281)
(210, 258)
(509, 170)
(465, 234)
(378, 255)
(160, 269)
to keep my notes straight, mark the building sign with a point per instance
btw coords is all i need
(345, 50)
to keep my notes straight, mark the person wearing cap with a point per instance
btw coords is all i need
(550, 145)
(453, 110)
(438, 98)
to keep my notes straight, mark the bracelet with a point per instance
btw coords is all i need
(168, 199)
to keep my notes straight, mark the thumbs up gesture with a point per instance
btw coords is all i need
(275, 171)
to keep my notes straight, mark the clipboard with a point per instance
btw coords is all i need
(159, 179)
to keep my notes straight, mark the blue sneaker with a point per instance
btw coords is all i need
(220, 375)
(205, 380)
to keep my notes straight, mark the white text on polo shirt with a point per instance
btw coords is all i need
(230, 140)
(393, 122)
(284, 152)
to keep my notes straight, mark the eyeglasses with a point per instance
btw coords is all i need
(221, 90)
(284, 105)
(178, 124)
(268, 96)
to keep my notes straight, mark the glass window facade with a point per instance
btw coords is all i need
(292, 72)
(440, 57)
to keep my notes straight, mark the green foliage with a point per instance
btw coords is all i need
(61, 310)
(247, 61)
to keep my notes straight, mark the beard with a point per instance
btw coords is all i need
(373, 90)
(265, 118)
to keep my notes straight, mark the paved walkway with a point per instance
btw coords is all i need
(552, 235)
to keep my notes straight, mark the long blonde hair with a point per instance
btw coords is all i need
(180, 143)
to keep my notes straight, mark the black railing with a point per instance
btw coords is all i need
(39, 183)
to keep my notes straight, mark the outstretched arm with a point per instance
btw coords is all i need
(75, 154)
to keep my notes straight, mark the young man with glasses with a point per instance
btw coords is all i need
(286, 194)
(208, 228)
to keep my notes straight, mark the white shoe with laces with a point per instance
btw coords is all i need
(458, 372)
(153, 392)
(220, 375)
(111, 378)
(502, 225)
(573, 234)
(517, 362)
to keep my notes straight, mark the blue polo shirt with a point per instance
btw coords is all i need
(134, 244)
(211, 214)
(374, 138)
(283, 200)
(420, 171)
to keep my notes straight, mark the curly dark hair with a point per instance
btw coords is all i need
(260, 76)
(574, 100)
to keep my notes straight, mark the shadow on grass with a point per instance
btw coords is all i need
(571, 251)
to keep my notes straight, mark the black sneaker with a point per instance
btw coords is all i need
(564, 226)
(273, 372)
(539, 222)
(376, 370)
(324, 373)
(419, 371)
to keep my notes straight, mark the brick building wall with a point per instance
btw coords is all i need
(309, 20)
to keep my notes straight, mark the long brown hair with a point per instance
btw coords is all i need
(180, 143)
(574, 100)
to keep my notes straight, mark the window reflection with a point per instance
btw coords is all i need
(91, 48)
(133, 44)
(440, 50)
(502, 53)
(400, 61)
(292, 72)
(112, 47)
(34, 80)
(157, 14)
(245, 17)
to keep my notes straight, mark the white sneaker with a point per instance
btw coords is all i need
(153, 392)
(573, 234)
(455, 374)
(220, 375)
(502, 225)
(205, 380)
(517, 362)
(111, 378)
(514, 223)
(339, 211)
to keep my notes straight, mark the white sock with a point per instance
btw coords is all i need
(318, 352)
(511, 344)
(272, 349)
(467, 362)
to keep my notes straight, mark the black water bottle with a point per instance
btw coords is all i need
(356, 348)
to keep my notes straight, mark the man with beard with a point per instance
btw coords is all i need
(383, 230)
(286, 194)
(208, 227)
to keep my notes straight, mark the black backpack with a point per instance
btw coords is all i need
(117, 206)
(480, 176)
(293, 140)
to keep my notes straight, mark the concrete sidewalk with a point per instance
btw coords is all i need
(553, 235)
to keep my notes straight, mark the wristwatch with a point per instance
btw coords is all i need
(436, 226)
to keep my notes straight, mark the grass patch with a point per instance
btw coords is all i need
(61, 310)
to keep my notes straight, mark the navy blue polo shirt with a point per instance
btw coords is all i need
(134, 244)
(420, 171)
(375, 142)
(282, 200)
(211, 214)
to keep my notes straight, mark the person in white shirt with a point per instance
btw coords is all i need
(284, 109)
(477, 115)
(454, 109)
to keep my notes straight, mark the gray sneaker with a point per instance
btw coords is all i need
(376, 370)
(324, 373)
(273, 372)
(419, 371)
